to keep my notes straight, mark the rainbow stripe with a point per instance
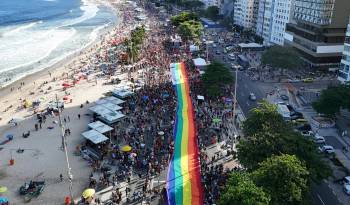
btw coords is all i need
(184, 180)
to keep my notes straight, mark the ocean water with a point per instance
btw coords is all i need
(35, 34)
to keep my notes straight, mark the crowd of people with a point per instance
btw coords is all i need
(148, 127)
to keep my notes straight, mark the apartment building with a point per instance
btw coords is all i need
(318, 31)
(245, 12)
(344, 71)
(273, 15)
(208, 3)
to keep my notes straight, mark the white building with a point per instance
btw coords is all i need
(344, 71)
(273, 15)
(244, 13)
(208, 3)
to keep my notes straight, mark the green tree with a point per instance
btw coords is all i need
(241, 190)
(190, 30)
(267, 134)
(193, 5)
(284, 178)
(215, 77)
(133, 44)
(332, 100)
(182, 18)
(212, 12)
(280, 57)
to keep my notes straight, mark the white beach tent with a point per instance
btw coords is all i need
(110, 99)
(94, 136)
(199, 63)
(122, 93)
(112, 106)
(112, 117)
(194, 48)
(100, 127)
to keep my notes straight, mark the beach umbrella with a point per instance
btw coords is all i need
(3, 189)
(87, 193)
(42, 99)
(216, 120)
(66, 97)
(66, 85)
(126, 148)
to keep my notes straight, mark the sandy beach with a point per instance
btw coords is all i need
(42, 157)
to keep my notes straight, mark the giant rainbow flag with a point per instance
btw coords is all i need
(184, 180)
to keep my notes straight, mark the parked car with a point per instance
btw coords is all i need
(297, 116)
(346, 180)
(284, 97)
(326, 149)
(308, 80)
(307, 133)
(217, 52)
(252, 97)
(304, 127)
(319, 139)
(346, 188)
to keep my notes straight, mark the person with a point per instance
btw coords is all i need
(79, 116)
(61, 177)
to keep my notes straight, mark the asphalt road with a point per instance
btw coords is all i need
(321, 194)
(333, 141)
(245, 85)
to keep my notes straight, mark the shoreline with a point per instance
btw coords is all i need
(75, 55)
(30, 86)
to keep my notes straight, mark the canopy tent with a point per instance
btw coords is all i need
(200, 97)
(199, 62)
(111, 117)
(122, 93)
(112, 106)
(251, 46)
(194, 48)
(100, 127)
(94, 136)
(100, 110)
(106, 115)
(110, 99)
(55, 105)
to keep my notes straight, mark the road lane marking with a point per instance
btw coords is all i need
(319, 197)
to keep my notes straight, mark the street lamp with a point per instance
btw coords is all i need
(235, 94)
(234, 102)
(207, 43)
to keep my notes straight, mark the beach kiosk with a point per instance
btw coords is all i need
(200, 63)
(106, 115)
(94, 136)
(122, 93)
(100, 127)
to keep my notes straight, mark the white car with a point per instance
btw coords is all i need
(326, 149)
(307, 133)
(252, 96)
(319, 139)
(346, 188)
(346, 180)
